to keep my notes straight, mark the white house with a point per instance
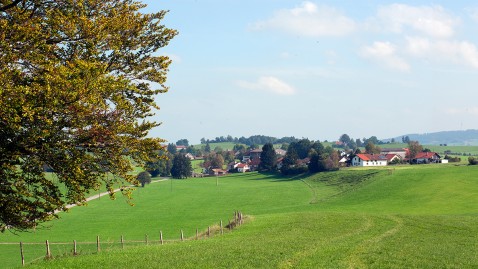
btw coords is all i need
(369, 160)
(243, 167)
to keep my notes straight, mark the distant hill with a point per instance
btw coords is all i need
(456, 138)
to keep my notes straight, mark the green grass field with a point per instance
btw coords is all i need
(401, 217)
(439, 149)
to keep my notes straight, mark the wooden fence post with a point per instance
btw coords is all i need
(146, 238)
(208, 231)
(161, 237)
(122, 242)
(197, 233)
(48, 253)
(74, 248)
(222, 231)
(182, 235)
(98, 247)
(21, 254)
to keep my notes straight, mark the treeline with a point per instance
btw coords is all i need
(252, 140)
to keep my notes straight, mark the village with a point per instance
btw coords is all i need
(251, 160)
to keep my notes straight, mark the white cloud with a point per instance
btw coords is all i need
(385, 53)
(457, 52)
(430, 20)
(309, 20)
(269, 84)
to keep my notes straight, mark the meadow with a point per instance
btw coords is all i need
(400, 217)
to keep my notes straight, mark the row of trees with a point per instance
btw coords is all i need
(347, 142)
(252, 140)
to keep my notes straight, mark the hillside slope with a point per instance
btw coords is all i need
(407, 217)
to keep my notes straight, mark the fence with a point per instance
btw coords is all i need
(32, 252)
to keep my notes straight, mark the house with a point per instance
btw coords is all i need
(343, 160)
(426, 157)
(217, 172)
(254, 164)
(255, 153)
(369, 160)
(302, 162)
(243, 167)
(280, 152)
(400, 152)
(232, 165)
(190, 156)
(393, 158)
(279, 163)
(179, 148)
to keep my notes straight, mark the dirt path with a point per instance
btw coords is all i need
(99, 195)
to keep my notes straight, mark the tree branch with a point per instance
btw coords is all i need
(14, 3)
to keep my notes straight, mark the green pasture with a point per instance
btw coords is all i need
(401, 217)
(196, 164)
(437, 148)
(223, 145)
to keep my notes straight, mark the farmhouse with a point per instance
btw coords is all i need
(217, 172)
(254, 164)
(243, 167)
(401, 152)
(369, 160)
(427, 157)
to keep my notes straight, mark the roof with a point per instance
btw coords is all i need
(390, 156)
(255, 161)
(241, 165)
(394, 149)
(426, 155)
(372, 157)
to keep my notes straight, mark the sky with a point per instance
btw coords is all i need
(318, 69)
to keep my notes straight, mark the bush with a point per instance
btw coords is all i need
(473, 160)
(453, 159)
(144, 178)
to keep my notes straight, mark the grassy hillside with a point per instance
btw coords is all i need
(410, 216)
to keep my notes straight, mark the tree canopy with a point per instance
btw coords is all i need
(75, 95)
(268, 158)
(181, 167)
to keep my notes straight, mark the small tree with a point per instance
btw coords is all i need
(172, 148)
(207, 149)
(472, 160)
(370, 148)
(144, 178)
(181, 167)
(414, 148)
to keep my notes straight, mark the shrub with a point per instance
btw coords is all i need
(144, 178)
(472, 160)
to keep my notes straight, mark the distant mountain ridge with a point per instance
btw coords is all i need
(456, 138)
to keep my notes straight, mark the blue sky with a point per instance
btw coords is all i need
(318, 69)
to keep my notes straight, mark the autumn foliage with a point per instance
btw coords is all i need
(75, 95)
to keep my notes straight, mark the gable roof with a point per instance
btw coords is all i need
(242, 165)
(426, 155)
(372, 157)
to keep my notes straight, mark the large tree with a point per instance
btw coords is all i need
(268, 158)
(414, 148)
(181, 167)
(75, 95)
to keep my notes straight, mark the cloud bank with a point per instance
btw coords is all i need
(308, 20)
